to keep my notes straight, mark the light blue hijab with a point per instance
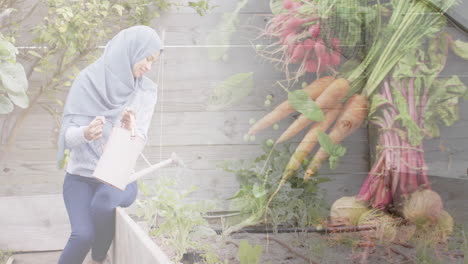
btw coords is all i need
(105, 86)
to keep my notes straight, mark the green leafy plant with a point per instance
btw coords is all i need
(296, 204)
(181, 221)
(13, 84)
(249, 254)
(212, 258)
(70, 34)
(334, 150)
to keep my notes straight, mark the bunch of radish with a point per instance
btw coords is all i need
(301, 40)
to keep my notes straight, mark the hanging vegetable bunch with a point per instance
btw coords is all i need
(308, 35)
(413, 101)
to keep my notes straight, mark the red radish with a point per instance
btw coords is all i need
(287, 4)
(314, 30)
(289, 38)
(320, 49)
(275, 23)
(311, 66)
(335, 42)
(335, 58)
(325, 59)
(309, 44)
(293, 23)
(296, 5)
(324, 62)
(298, 53)
(291, 49)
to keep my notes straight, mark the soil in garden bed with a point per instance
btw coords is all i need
(362, 247)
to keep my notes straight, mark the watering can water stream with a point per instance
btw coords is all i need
(117, 162)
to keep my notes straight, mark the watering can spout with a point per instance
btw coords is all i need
(173, 160)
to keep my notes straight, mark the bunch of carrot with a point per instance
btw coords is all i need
(301, 40)
(327, 92)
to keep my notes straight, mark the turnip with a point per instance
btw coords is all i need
(348, 208)
(445, 224)
(423, 206)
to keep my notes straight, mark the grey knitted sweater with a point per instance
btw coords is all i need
(84, 154)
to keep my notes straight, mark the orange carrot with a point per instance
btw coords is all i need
(306, 146)
(352, 117)
(311, 138)
(284, 109)
(327, 100)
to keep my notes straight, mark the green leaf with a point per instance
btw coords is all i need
(276, 7)
(258, 190)
(333, 162)
(339, 150)
(460, 48)
(334, 150)
(7, 50)
(248, 254)
(302, 103)
(414, 133)
(326, 142)
(35, 54)
(231, 91)
(377, 101)
(238, 194)
(442, 106)
(5, 105)
(203, 232)
(119, 9)
(21, 99)
(13, 78)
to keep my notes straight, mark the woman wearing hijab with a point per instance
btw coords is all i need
(105, 94)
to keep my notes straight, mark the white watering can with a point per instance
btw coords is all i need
(117, 162)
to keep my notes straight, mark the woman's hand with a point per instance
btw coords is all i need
(94, 130)
(128, 119)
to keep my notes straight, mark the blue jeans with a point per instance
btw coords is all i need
(91, 207)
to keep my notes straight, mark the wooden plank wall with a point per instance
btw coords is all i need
(204, 138)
